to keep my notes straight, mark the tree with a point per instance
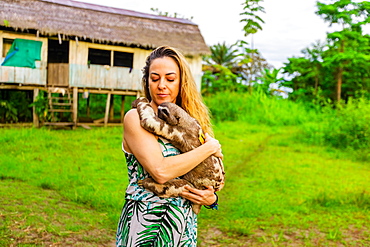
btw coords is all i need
(223, 54)
(305, 72)
(340, 67)
(220, 69)
(253, 24)
(235, 67)
(349, 42)
(231, 67)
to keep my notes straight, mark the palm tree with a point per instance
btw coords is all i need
(223, 54)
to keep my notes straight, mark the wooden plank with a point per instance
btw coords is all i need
(58, 74)
(75, 106)
(21, 87)
(60, 110)
(101, 124)
(107, 110)
(35, 118)
(59, 123)
(14, 125)
(28, 76)
(98, 76)
(105, 91)
(100, 120)
(62, 104)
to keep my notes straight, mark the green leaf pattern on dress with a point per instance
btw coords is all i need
(148, 220)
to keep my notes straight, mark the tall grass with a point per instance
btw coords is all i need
(346, 127)
(257, 108)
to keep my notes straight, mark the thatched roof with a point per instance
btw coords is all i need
(71, 19)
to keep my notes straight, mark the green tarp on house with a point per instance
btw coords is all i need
(23, 53)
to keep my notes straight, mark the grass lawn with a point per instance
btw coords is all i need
(66, 188)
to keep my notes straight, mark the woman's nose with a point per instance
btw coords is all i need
(162, 84)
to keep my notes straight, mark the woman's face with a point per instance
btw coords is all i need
(164, 80)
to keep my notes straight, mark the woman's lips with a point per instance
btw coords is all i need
(162, 95)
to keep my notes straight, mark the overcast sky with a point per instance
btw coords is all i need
(290, 25)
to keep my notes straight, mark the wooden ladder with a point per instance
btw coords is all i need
(63, 103)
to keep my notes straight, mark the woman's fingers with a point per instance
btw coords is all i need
(216, 144)
(203, 197)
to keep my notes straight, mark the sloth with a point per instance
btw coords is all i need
(185, 133)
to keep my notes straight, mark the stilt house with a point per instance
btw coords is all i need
(69, 48)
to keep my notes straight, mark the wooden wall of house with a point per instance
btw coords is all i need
(195, 64)
(80, 74)
(99, 76)
(23, 75)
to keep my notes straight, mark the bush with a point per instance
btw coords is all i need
(350, 126)
(347, 127)
(258, 108)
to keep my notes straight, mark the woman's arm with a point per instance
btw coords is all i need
(144, 146)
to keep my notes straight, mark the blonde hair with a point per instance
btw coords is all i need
(189, 98)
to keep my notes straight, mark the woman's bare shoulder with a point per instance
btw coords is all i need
(131, 123)
(132, 112)
(131, 117)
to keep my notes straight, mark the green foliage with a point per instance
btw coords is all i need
(14, 106)
(252, 20)
(98, 104)
(257, 108)
(222, 80)
(8, 112)
(222, 54)
(231, 68)
(269, 77)
(347, 127)
(41, 105)
(340, 67)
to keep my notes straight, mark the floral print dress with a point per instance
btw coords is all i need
(149, 220)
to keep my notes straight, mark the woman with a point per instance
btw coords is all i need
(148, 220)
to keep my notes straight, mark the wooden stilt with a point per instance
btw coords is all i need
(107, 110)
(36, 122)
(111, 108)
(75, 106)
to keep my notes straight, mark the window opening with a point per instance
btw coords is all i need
(7, 43)
(58, 53)
(97, 56)
(123, 59)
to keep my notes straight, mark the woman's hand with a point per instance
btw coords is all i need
(202, 197)
(215, 145)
